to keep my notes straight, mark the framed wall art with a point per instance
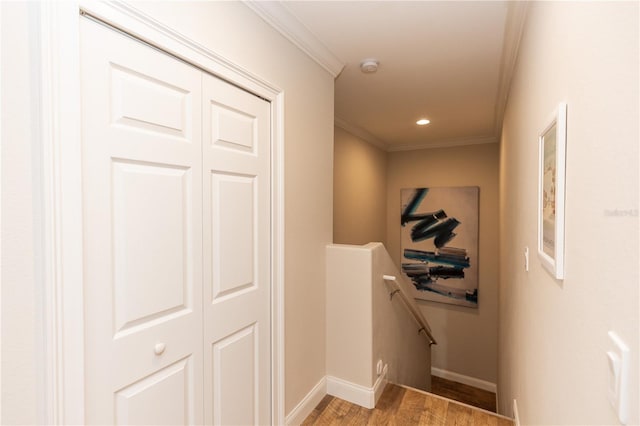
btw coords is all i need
(439, 243)
(552, 143)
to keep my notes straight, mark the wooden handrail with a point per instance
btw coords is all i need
(411, 307)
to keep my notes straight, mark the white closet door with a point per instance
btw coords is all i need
(237, 244)
(142, 189)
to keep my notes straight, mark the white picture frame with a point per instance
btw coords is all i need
(552, 142)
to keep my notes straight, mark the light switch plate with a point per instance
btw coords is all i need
(618, 374)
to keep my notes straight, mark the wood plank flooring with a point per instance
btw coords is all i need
(464, 393)
(403, 406)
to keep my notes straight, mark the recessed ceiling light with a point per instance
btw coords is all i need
(422, 122)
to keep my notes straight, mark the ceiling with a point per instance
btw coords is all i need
(447, 61)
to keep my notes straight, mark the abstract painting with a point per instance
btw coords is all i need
(439, 242)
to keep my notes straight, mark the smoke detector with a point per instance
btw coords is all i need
(369, 66)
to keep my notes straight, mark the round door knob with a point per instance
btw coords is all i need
(159, 348)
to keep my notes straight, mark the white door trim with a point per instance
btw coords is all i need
(1, 145)
(63, 341)
(61, 215)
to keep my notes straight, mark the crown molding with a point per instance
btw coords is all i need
(361, 133)
(449, 143)
(388, 147)
(278, 15)
(513, 28)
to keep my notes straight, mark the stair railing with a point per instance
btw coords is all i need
(411, 306)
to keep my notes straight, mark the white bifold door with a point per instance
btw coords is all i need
(176, 206)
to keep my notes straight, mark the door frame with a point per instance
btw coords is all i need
(61, 194)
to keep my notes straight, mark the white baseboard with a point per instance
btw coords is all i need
(467, 380)
(354, 393)
(516, 417)
(379, 385)
(308, 403)
(357, 394)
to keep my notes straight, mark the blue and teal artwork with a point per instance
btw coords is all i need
(439, 241)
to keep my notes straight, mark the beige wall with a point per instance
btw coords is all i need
(235, 32)
(395, 333)
(553, 334)
(359, 190)
(467, 337)
(19, 293)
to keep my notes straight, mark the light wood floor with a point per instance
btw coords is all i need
(403, 406)
(464, 393)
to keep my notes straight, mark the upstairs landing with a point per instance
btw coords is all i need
(401, 405)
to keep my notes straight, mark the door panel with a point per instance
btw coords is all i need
(232, 201)
(150, 235)
(237, 242)
(235, 361)
(161, 398)
(142, 186)
(133, 93)
(232, 129)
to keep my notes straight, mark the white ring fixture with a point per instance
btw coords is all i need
(369, 66)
